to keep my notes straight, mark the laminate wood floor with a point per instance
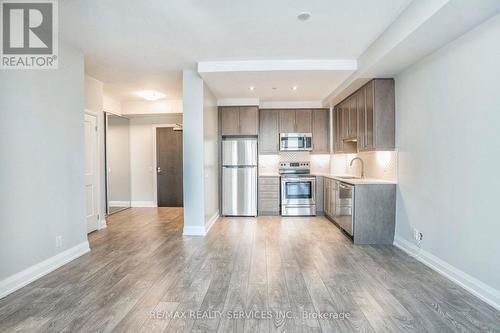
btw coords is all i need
(269, 274)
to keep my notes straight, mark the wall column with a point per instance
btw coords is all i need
(193, 142)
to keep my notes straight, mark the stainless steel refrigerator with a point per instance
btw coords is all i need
(239, 177)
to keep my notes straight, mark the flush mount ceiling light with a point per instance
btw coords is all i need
(304, 16)
(151, 95)
(251, 88)
(294, 88)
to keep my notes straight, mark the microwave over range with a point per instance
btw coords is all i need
(295, 141)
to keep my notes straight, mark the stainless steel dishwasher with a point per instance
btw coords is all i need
(344, 206)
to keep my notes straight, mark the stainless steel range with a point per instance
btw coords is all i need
(298, 189)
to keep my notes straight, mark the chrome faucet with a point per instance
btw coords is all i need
(362, 165)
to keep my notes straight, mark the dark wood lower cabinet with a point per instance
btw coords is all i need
(269, 195)
(373, 210)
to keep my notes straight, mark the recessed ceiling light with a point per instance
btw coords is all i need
(304, 16)
(151, 95)
(251, 88)
(294, 88)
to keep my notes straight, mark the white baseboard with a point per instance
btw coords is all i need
(201, 230)
(194, 231)
(143, 204)
(119, 204)
(30, 274)
(210, 223)
(102, 224)
(476, 287)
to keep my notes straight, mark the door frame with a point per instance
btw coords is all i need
(97, 162)
(154, 172)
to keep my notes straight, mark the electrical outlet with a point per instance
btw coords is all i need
(58, 242)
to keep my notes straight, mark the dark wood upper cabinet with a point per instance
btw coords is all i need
(338, 126)
(303, 121)
(295, 121)
(367, 142)
(379, 129)
(320, 131)
(371, 118)
(353, 116)
(361, 106)
(345, 110)
(384, 110)
(269, 131)
(287, 121)
(273, 122)
(336, 133)
(343, 142)
(236, 120)
(249, 120)
(230, 120)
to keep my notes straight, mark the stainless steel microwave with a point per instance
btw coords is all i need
(295, 141)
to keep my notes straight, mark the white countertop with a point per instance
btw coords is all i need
(364, 181)
(355, 181)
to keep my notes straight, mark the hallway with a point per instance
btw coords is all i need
(288, 271)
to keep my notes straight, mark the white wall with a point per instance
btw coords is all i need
(211, 147)
(111, 105)
(200, 155)
(42, 168)
(151, 107)
(141, 156)
(193, 154)
(448, 117)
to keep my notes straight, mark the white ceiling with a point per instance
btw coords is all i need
(135, 45)
(275, 85)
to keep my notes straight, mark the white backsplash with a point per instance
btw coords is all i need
(294, 156)
(320, 164)
(269, 164)
(378, 164)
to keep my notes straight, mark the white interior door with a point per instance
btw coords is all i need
(91, 189)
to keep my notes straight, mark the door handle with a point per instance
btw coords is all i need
(158, 169)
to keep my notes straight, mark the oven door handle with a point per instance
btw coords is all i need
(298, 179)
